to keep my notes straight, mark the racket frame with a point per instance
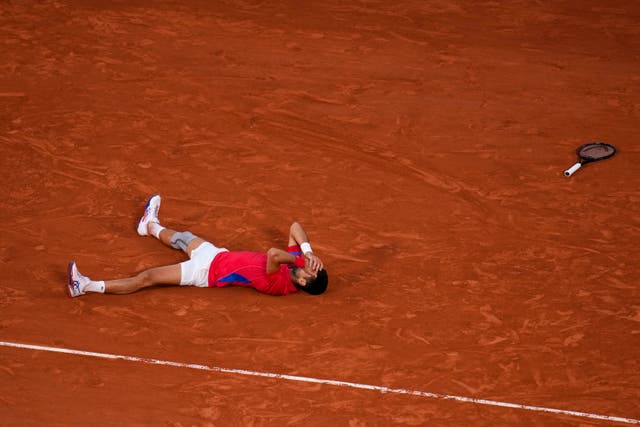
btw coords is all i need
(586, 159)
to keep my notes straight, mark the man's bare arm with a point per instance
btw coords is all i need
(276, 257)
(297, 236)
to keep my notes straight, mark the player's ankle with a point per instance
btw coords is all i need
(94, 286)
(154, 228)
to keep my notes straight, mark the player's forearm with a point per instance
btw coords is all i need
(280, 257)
(297, 235)
(277, 257)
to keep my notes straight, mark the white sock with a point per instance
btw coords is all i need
(95, 287)
(155, 228)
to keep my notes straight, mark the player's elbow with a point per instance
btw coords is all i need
(273, 253)
(273, 260)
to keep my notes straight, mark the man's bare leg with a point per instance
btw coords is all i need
(149, 225)
(167, 235)
(166, 275)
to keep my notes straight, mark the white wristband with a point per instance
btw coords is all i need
(306, 247)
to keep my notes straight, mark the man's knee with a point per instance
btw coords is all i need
(145, 279)
(182, 239)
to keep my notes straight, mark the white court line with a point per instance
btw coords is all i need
(381, 389)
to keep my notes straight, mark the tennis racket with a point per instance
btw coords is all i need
(591, 152)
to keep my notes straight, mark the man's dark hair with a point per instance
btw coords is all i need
(317, 285)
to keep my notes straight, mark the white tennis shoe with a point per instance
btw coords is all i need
(150, 214)
(76, 282)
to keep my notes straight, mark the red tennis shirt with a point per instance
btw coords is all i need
(249, 269)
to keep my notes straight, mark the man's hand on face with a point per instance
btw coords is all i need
(314, 264)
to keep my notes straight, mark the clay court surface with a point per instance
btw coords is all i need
(420, 143)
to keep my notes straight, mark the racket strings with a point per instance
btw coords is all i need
(596, 152)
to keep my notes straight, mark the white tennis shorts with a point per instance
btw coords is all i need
(195, 272)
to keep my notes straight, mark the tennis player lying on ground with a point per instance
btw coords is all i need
(275, 272)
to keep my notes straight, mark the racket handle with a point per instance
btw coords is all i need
(572, 169)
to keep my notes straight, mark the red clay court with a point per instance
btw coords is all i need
(420, 143)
